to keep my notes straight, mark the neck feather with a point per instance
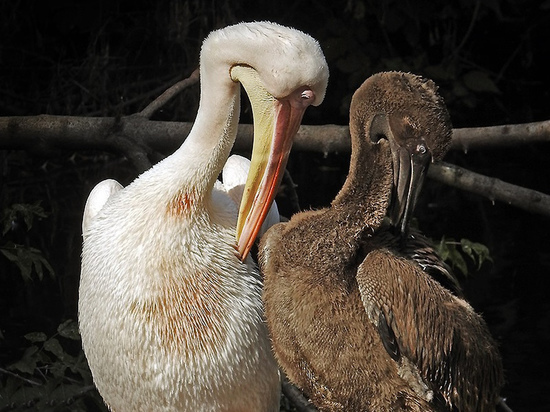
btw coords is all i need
(196, 165)
(365, 195)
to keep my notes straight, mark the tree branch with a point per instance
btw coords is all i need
(46, 132)
(333, 138)
(137, 138)
(169, 94)
(491, 188)
(500, 136)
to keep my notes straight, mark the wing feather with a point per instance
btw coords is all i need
(438, 332)
(99, 195)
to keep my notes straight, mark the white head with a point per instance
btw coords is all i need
(284, 58)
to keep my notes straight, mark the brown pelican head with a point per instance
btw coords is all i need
(407, 111)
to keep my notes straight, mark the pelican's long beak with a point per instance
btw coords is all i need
(410, 165)
(411, 158)
(276, 122)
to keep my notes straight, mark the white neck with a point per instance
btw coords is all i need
(197, 163)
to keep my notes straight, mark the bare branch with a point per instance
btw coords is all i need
(329, 138)
(333, 138)
(44, 133)
(500, 136)
(74, 133)
(15, 375)
(491, 188)
(137, 137)
(169, 94)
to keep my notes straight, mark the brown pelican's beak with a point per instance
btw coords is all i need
(276, 122)
(410, 165)
(411, 158)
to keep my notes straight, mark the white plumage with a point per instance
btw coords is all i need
(234, 176)
(170, 312)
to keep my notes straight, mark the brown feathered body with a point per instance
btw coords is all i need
(355, 321)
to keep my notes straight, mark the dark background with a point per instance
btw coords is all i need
(111, 58)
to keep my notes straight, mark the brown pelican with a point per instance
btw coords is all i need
(170, 306)
(356, 321)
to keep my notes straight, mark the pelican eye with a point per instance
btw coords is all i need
(307, 94)
(421, 148)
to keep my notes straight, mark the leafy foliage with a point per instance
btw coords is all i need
(25, 257)
(453, 253)
(26, 211)
(48, 377)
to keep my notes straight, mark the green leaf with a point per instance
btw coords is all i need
(466, 246)
(69, 329)
(448, 249)
(52, 345)
(26, 211)
(16, 254)
(8, 253)
(457, 260)
(27, 363)
(64, 359)
(443, 249)
(36, 337)
(478, 252)
(24, 263)
(26, 258)
(7, 224)
(39, 261)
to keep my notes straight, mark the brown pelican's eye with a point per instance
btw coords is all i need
(419, 151)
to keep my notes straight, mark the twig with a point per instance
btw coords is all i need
(169, 94)
(469, 30)
(491, 188)
(15, 375)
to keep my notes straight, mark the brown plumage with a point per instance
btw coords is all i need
(356, 322)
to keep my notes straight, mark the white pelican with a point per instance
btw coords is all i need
(170, 307)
